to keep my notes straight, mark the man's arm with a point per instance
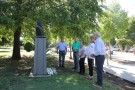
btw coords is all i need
(78, 46)
(98, 48)
(72, 47)
(66, 47)
(82, 53)
(57, 47)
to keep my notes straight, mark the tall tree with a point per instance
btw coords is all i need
(131, 30)
(13, 15)
(114, 22)
(67, 18)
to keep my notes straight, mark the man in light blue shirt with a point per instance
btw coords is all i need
(62, 47)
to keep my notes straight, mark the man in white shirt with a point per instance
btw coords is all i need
(99, 54)
(62, 47)
(89, 52)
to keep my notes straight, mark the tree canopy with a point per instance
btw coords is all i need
(67, 18)
(131, 30)
(114, 22)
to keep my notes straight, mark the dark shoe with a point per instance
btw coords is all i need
(73, 68)
(89, 77)
(97, 85)
(81, 73)
(63, 66)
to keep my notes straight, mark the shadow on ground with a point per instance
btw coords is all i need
(126, 62)
(14, 76)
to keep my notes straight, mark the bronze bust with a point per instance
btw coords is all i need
(39, 30)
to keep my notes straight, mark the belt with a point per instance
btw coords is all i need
(62, 50)
(100, 55)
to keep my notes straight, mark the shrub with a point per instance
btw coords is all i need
(29, 46)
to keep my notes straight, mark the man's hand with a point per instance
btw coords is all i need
(65, 52)
(75, 51)
(92, 55)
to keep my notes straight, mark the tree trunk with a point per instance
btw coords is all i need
(110, 51)
(70, 49)
(16, 48)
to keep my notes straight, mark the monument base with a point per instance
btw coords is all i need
(50, 71)
(40, 64)
(32, 75)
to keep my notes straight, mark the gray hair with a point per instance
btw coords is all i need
(97, 33)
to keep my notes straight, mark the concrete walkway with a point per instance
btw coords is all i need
(122, 70)
(116, 67)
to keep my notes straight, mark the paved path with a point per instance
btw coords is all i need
(124, 56)
(123, 70)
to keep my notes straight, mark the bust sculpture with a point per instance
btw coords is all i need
(39, 30)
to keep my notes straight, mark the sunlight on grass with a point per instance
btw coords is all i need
(14, 76)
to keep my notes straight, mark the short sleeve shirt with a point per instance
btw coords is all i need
(80, 52)
(90, 50)
(76, 45)
(62, 46)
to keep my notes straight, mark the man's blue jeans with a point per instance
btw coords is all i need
(99, 63)
(61, 58)
(76, 60)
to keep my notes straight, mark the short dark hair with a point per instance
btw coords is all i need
(82, 42)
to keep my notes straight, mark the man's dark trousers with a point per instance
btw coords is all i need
(99, 63)
(82, 66)
(61, 58)
(76, 61)
(90, 64)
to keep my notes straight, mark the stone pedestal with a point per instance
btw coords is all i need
(40, 65)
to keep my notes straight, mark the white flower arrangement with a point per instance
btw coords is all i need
(51, 71)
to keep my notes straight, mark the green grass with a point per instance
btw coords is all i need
(60, 82)
(14, 76)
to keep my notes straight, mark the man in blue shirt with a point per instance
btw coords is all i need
(75, 48)
(62, 47)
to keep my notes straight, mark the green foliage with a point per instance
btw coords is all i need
(69, 18)
(124, 42)
(3, 41)
(29, 46)
(60, 17)
(114, 22)
(113, 41)
(131, 30)
(66, 18)
(134, 45)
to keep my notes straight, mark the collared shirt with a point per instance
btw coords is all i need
(99, 47)
(81, 55)
(62, 46)
(76, 45)
(90, 50)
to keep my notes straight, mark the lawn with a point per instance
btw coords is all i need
(14, 76)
